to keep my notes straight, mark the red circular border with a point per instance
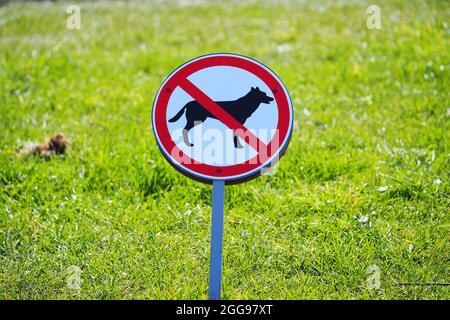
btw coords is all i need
(221, 172)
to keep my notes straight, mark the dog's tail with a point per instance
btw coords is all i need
(178, 115)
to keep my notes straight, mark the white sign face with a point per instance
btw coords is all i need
(222, 117)
(212, 140)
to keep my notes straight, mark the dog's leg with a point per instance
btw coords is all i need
(186, 137)
(189, 125)
(237, 144)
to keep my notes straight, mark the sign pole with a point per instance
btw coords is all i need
(215, 269)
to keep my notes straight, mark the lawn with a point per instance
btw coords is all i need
(361, 194)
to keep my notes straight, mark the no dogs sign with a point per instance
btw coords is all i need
(222, 118)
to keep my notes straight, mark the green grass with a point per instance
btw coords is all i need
(364, 182)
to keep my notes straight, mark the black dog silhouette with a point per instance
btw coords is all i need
(241, 109)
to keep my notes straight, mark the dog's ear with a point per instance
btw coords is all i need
(252, 89)
(257, 89)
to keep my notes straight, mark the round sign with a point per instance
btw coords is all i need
(222, 117)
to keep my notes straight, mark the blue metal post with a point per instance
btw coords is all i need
(215, 269)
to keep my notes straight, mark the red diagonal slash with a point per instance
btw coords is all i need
(222, 115)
